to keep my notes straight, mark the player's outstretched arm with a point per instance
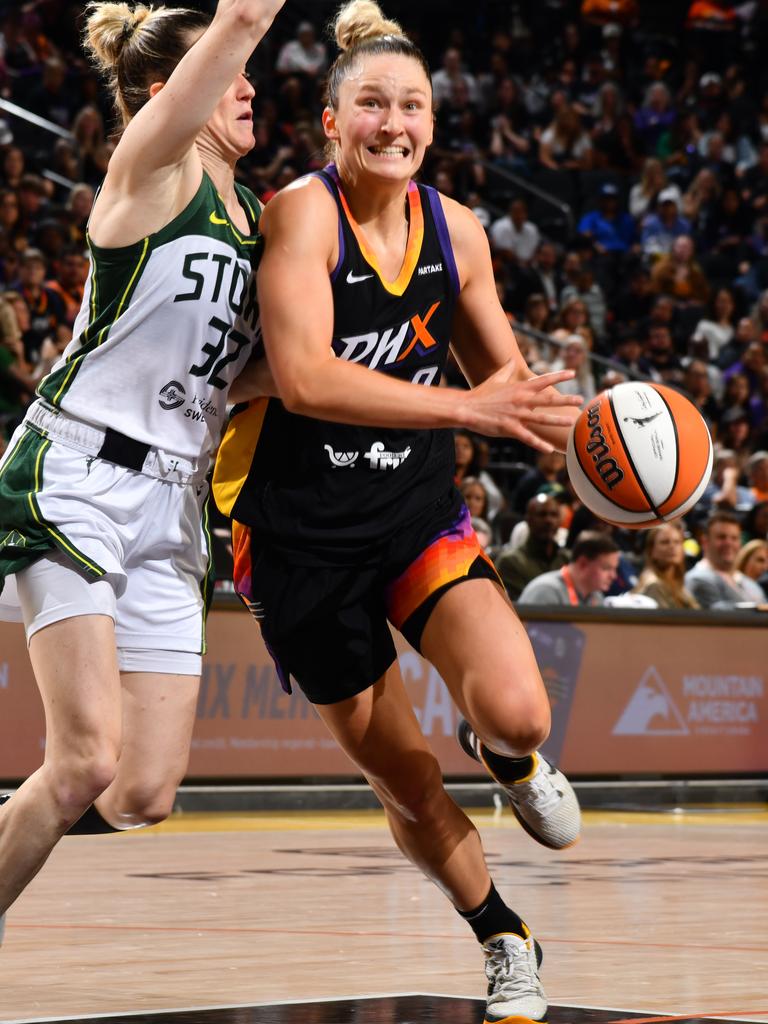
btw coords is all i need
(483, 341)
(300, 228)
(165, 129)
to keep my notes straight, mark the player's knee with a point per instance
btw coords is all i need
(79, 778)
(517, 730)
(144, 804)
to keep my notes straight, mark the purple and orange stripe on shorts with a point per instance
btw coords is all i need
(446, 559)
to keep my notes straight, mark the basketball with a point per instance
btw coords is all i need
(639, 454)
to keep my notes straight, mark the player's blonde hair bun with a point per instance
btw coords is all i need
(360, 21)
(109, 26)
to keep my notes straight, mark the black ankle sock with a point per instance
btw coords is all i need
(4, 797)
(91, 824)
(492, 917)
(507, 769)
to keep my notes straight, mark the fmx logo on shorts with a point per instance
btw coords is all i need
(341, 460)
(172, 395)
(381, 459)
(651, 711)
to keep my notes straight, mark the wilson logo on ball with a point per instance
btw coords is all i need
(607, 467)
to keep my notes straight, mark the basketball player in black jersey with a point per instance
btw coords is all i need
(340, 528)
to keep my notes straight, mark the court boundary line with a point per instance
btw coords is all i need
(348, 998)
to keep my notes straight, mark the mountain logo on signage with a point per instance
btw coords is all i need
(651, 711)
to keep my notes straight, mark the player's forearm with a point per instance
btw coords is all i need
(344, 392)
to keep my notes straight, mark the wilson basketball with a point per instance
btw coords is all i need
(639, 454)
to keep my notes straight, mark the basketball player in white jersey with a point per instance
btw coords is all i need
(102, 488)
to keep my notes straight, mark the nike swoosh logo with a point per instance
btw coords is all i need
(218, 220)
(354, 278)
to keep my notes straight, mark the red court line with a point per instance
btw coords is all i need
(700, 1015)
(349, 933)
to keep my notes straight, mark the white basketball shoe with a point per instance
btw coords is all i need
(514, 990)
(543, 802)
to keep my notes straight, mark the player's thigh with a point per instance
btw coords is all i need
(479, 646)
(70, 631)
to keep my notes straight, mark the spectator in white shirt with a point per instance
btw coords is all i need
(304, 54)
(513, 236)
(443, 79)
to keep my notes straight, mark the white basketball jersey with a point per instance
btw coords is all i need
(165, 326)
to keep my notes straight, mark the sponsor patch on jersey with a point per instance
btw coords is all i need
(172, 395)
(379, 458)
(341, 460)
(430, 268)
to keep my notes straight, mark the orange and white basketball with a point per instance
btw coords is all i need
(639, 454)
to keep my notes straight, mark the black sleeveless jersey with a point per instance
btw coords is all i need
(329, 493)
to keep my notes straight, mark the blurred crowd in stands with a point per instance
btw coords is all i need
(616, 153)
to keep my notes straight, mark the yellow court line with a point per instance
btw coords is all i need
(298, 821)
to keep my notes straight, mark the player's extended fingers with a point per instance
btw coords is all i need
(545, 419)
(554, 397)
(544, 380)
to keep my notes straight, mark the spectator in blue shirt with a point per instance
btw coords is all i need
(608, 228)
(660, 229)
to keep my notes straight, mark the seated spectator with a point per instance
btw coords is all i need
(549, 469)
(13, 168)
(564, 144)
(575, 356)
(513, 237)
(78, 210)
(701, 200)
(543, 274)
(753, 562)
(443, 79)
(643, 194)
(757, 475)
(93, 148)
(714, 581)
(573, 318)
(34, 193)
(663, 572)
(539, 553)
(724, 489)
(755, 524)
(752, 366)
(655, 117)
(69, 282)
(735, 432)
(511, 144)
(304, 55)
(46, 310)
(475, 496)
(696, 382)
(583, 580)
(661, 228)
(13, 229)
(660, 361)
(754, 183)
(469, 463)
(744, 334)
(610, 229)
(716, 329)
(634, 300)
(678, 274)
(592, 295)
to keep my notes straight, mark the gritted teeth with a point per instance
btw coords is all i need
(388, 150)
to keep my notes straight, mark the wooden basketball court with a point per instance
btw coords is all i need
(315, 918)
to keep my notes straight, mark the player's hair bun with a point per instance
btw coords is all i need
(110, 26)
(361, 20)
